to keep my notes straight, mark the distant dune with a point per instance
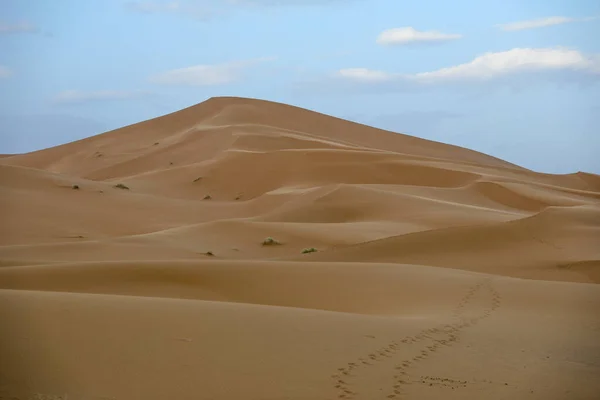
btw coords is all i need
(135, 265)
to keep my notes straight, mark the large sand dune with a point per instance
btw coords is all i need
(440, 272)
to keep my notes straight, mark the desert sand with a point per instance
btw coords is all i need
(132, 265)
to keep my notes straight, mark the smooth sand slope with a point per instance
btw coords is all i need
(440, 272)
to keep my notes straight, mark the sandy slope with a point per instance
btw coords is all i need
(440, 272)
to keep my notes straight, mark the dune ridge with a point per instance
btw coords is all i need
(135, 264)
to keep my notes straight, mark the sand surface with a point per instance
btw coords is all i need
(439, 272)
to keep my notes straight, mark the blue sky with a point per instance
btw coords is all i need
(512, 78)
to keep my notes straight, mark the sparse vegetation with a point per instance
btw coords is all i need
(197, 179)
(270, 242)
(156, 143)
(171, 163)
(239, 196)
(121, 186)
(207, 197)
(309, 250)
(75, 187)
(40, 396)
(209, 253)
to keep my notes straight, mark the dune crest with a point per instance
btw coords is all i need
(299, 256)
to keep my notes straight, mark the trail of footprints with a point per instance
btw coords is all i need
(433, 339)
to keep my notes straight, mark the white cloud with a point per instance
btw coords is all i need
(284, 2)
(153, 6)
(541, 23)
(406, 35)
(5, 72)
(364, 75)
(490, 65)
(19, 27)
(486, 67)
(205, 9)
(194, 9)
(206, 74)
(77, 96)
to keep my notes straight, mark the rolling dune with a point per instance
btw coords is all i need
(134, 265)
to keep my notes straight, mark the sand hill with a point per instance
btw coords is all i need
(133, 265)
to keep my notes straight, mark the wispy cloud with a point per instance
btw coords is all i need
(194, 9)
(19, 27)
(207, 74)
(78, 96)
(206, 9)
(489, 66)
(408, 35)
(541, 23)
(5, 72)
(364, 75)
(516, 69)
(153, 6)
(272, 3)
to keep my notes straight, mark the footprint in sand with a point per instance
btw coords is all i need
(450, 336)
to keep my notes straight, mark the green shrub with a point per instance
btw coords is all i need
(309, 250)
(270, 242)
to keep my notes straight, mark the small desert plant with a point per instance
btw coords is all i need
(75, 187)
(270, 242)
(238, 197)
(209, 253)
(121, 186)
(156, 143)
(309, 250)
(207, 197)
(40, 396)
(197, 179)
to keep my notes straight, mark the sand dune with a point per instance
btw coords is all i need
(132, 265)
(542, 246)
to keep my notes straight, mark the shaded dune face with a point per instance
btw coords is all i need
(135, 264)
